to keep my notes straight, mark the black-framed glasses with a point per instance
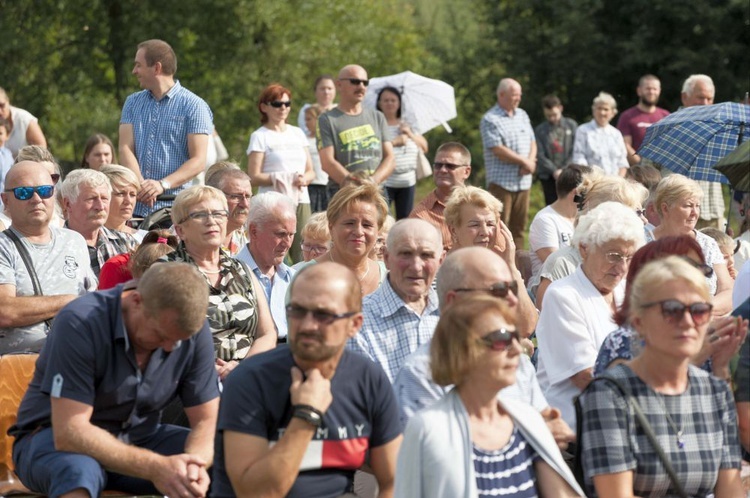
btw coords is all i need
(500, 340)
(499, 289)
(704, 268)
(26, 193)
(278, 104)
(220, 215)
(615, 258)
(356, 81)
(439, 165)
(673, 310)
(297, 312)
(238, 197)
(55, 178)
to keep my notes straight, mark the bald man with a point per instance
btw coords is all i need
(57, 257)
(402, 313)
(352, 138)
(298, 421)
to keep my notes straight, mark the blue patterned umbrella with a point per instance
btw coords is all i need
(693, 139)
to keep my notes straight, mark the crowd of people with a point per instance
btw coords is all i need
(194, 339)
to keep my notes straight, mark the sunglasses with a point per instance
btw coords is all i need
(704, 268)
(500, 340)
(437, 165)
(26, 193)
(641, 213)
(296, 312)
(499, 289)
(278, 104)
(673, 310)
(356, 81)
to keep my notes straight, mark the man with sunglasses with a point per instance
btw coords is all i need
(452, 167)
(351, 137)
(299, 420)
(56, 256)
(164, 129)
(465, 272)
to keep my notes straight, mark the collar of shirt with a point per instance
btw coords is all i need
(391, 303)
(282, 270)
(176, 88)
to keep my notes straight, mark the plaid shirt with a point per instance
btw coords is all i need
(160, 132)
(613, 441)
(514, 132)
(712, 206)
(391, 330)
(109, 244)
(431, 210)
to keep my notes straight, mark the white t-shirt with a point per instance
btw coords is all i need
(21, 121)
(574, 322)
(321, 177)
(549, 229)
(284, 152)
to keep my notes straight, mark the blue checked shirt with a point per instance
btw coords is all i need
(514, 132)
(160, 132)
(391, 330)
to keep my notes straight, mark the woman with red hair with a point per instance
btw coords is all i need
(279, 158)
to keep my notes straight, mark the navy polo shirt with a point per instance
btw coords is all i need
(88, 358)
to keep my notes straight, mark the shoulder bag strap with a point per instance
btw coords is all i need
(641, 418)
(26, 258)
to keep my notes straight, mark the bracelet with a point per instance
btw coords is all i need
(309, 414)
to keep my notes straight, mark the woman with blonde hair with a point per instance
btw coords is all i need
(125, 187)
(472, 443)
(600, 144)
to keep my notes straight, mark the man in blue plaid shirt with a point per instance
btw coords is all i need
(164, 128)
(509, 156)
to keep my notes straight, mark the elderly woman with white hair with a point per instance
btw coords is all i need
(678, 202)
(578, 309)
(238, 312)
(598, 143)
(125, 186)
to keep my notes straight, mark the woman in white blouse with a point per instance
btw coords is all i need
(598, 143)
(279, 158)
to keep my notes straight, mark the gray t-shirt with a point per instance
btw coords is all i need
(62, 267)
(357, 140)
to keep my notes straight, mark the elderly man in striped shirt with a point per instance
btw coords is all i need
(164, 128)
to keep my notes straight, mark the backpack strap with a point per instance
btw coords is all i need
(26, 258)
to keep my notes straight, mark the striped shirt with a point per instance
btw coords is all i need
(508, 471)
(160, 132)
(431, 210)
(514, 132)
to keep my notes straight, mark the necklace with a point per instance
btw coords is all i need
(362, 278)
(678, 431)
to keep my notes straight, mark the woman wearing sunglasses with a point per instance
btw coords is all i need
(238, 312)
(678, 203)
(472, 443)
(578, 309)
(279, 158)
(691, 413)
(725, 336)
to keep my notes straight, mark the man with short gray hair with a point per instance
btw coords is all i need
(85, 196)
(271, 225)
(402, 313)
(509, 156)
(57, 257)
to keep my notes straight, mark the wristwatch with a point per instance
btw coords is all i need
(309, 414)
(165, 185)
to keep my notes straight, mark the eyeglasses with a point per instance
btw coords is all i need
(672, 310)
(615, 258)
(278, 104)
(450, 166)
(356, 81)
(499, 289)
(500, 340)
(238, 197)
(296, 312)
(202, 216)
(704, 268)
(26, 193)
(314, 249)
(55, 178)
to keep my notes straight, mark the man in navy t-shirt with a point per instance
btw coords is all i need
(299, 420)
(91, 418)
